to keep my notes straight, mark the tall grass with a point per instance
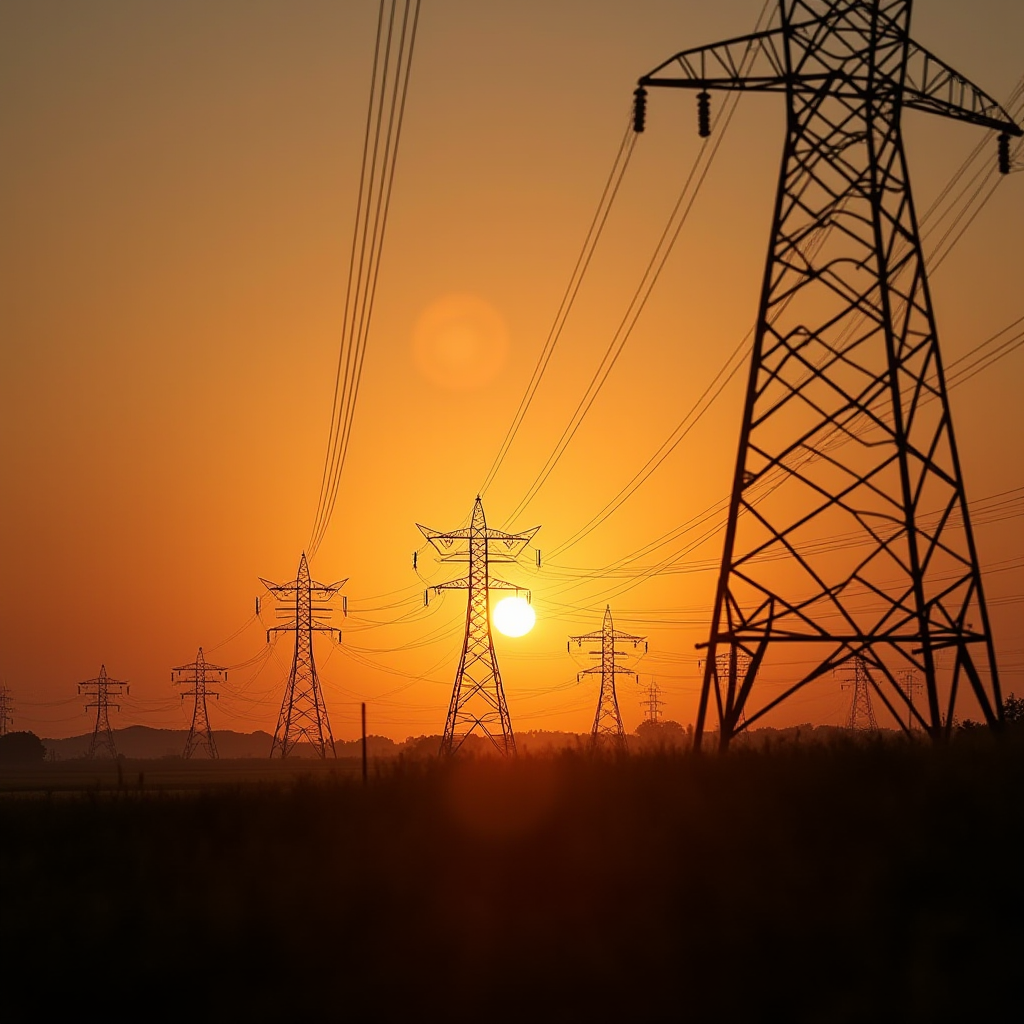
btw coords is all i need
(834, 881)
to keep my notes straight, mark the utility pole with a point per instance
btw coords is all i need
(911, 687)
(100, 689)
(862, 714)
(6, 710)
(846, 427)
(198, 674)
(607, 726)
(362, 715)
(478, 700)
(303, 715)
(652, 703)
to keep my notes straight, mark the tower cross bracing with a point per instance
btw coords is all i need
(198, 674)
(303, 717)
(478, 702)
(607, 727)
(846, 428)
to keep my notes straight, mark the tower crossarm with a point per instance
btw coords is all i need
(103, 683)
(758, 63)
(933, 86)
(464, 582)
(318, 591)
(508, 545)
(192, 669)
(619, 670)
(755, 62)
(314, 627)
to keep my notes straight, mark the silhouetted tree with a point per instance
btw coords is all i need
(21, 748)
(1013, 709)
(658, 735)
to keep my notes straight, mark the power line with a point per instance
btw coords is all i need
(372, 208)
(732, 364)
(677, 219)
(593, 236)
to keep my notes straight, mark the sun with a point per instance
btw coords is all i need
(514, 616)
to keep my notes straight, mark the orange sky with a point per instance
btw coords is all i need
(177, 197)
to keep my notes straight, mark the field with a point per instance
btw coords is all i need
(828, 882)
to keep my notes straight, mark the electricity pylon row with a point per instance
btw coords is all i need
(478, 700)
(862, 713)
(303, 717)
(198, 674)
(652, 703)
(607, 728)
(846, 427)
(100, 690)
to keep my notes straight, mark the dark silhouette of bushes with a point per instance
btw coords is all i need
(21, 748)
(840, 881)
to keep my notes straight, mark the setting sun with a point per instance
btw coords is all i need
(514, 616)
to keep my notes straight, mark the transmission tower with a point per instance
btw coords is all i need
(652, 703)
(303, 715)
(478, 700)
(607, 726)
(912, 687)
(100, 689)
(846, 427)
(6, 710)
(862, 714)
(197, 674)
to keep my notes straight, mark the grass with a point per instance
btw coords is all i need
(830, 882)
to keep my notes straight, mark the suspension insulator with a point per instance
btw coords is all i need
(1004, 153)
(703, 114)
(639, 108)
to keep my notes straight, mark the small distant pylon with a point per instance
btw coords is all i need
(652, 703)
(100, 690)
(862, 714)
(478, 700)
(912, 686)
(303, 711)
(6, 710)
(197, 674)
(607, 726)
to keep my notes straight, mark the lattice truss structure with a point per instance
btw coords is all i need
(478, 699)
(101, 689)
(856, 676)
(303, 717)
(198, 674)
(652, 703)
(607, 728)
(6, 711)
(848, 533)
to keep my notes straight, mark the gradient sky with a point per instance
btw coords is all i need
(177, 194)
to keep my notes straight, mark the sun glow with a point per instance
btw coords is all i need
(514, 616)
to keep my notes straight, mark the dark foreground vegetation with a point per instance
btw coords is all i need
(826, 882)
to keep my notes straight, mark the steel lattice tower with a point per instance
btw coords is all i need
(197, 674)
(607, 720)
(862, 713)
(478, 700)
(6, 710)
(848, 532)
(100, 690)
(652, 704)
(303, 712)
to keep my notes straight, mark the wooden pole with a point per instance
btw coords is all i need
(363, 706)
